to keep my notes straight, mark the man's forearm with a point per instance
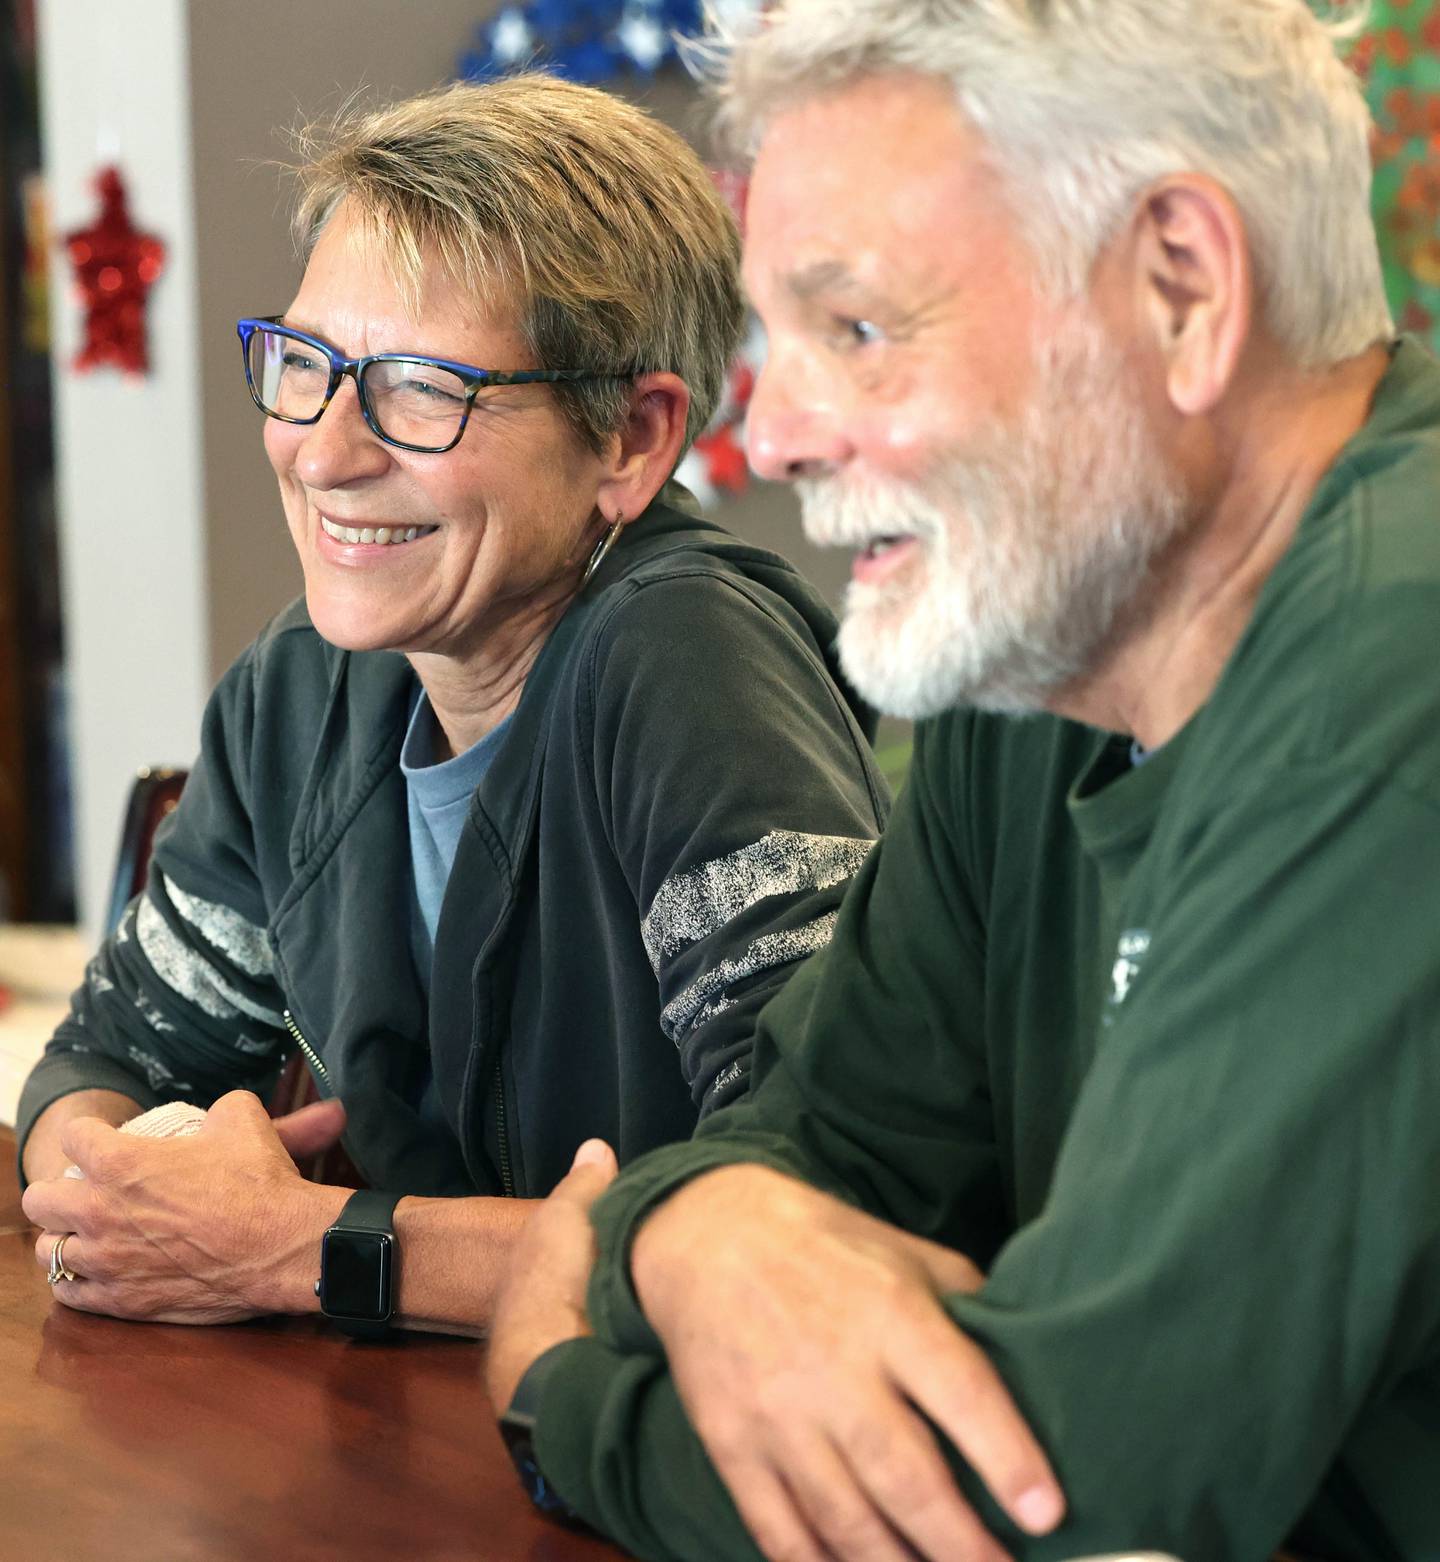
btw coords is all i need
(43, 1156)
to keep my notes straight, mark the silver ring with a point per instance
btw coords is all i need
(57, 1271)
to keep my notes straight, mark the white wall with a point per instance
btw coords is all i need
(114, 88)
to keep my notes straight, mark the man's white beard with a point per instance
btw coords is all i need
(1033, 543)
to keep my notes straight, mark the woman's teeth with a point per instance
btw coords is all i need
(382, 534)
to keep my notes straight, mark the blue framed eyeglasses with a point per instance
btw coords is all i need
(408, 400)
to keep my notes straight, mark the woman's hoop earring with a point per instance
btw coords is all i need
(601, 549)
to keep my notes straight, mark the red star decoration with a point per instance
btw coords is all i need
(725, 463)
(115, 267)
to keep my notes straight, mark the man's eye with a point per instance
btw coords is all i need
(302, 362)
(850, 332)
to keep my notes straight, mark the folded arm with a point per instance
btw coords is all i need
(808, 1339)
(1238, 1262)
(220, 1226)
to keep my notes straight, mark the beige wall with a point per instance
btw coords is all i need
(256, 69)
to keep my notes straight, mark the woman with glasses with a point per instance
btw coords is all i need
(512, 825)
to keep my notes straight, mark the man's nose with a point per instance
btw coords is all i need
(341, 446)
(796, 425)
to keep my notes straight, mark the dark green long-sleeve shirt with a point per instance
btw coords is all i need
(1160, 1047)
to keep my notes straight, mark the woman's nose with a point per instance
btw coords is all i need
(341, 447)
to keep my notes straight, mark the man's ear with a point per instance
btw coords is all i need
(1195, 285)
(647, 448)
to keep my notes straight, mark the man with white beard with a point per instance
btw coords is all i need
(1086, 1196)
(1012, 606)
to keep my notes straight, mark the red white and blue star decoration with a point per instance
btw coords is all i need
(588, 41)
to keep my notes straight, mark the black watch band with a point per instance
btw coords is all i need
(359, 1258)
(517, 1431)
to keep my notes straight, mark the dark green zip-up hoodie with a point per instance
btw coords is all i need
(665, 831)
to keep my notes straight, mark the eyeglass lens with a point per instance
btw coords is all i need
(411, 400)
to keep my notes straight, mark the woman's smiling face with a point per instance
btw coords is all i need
(502, 523)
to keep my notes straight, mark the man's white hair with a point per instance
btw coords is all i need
(1082, 103)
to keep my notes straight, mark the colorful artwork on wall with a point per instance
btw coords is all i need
(1399, 60)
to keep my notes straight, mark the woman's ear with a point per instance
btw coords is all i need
(1195, 284)
(646, 449)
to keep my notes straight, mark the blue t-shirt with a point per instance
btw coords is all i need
(438, 797)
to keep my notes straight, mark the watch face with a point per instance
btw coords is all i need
(355, 1275)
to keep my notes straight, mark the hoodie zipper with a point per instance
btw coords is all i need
(322, 1077)
(317, 1067)
(507, 1180)
(322, 1080)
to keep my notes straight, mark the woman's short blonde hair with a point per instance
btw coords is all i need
(600, 225)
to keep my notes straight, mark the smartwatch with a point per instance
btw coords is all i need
(517, 1431)
(358, 1257)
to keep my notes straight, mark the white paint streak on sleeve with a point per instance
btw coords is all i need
(237, 938)
(692, 905)
(725, 1078)
(155, 1072)
(771, 949)
(257, 1046)
(152, 1016)
(188, 973)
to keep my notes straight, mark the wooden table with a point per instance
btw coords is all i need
(277, 1441)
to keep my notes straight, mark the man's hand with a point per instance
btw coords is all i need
(808, 1343)
(211, 1228)
(311, 1130)
(542, 1299)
